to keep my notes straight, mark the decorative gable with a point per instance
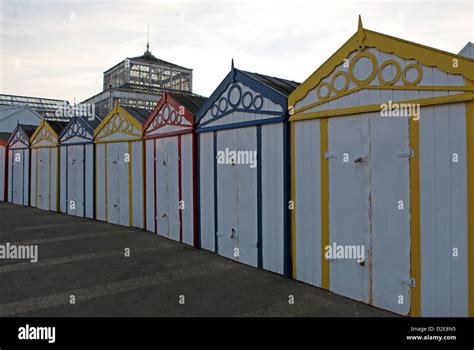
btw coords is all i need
(19, 139)
(44, 136)
(373, 68)
(118, 125)
(168, 118)
(240, 99)
(77, 131)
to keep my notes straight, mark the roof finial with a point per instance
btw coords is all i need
(148, 39)
(360, 35)
(232, 69)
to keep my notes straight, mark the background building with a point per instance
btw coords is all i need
(140, 82)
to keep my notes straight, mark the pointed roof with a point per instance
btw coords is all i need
(283, 86)
(140, 114)
(4, 136)
(467, 50)
(192, 102)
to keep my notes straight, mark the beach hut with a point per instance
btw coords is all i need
(19, 164)
(45, 165)
(76, 145)
(4, 136)
(170, 153)
(243, 162)
(383, 176)
(119, 167)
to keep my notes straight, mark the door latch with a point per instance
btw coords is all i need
(410, 282)
(232, 235)
(360, 159)
(330, 155)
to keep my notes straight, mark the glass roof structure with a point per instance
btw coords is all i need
(47, 107)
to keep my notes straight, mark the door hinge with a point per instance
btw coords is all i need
(410, 282)
(409, 153)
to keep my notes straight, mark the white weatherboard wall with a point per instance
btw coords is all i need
(243, 207)
(44, 168)
(18, 168)
(119, 170)
(77, 169)
(396, 186)
(170, 169)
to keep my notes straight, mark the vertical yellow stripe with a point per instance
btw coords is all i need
(415, 217)
(470, 200)
(130, 189)
(96, 169)
(57, 179)
(36, 175)
(323, 139)
(105, 180)
(293, 199)
(50, 161)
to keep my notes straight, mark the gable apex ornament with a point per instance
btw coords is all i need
(360, 35)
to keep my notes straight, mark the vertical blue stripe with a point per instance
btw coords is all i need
(84, 181)
(23, 180)
(198, 186)
(287, 268)
(259, 197)
(94, 170)
(13, 176)
(66, 180)
(216, 243)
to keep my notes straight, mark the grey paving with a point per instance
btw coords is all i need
(85, 261)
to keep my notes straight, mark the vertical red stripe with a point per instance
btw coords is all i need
(180, 195)
(144, 182)
(5, 193)
(154, 184)
(194, 174)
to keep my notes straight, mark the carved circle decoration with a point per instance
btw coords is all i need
(234, 95)
(373, 62)
(247, 99)
(418, 78)
(323, 91)
(395, 78)
(327, 89)
(338, 74)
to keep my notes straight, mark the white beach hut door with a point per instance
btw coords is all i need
(123, 164)
(390, 213)
(167, 188)
(71, 180)
(349, 190)
(227, 196)
(247, 236)
(112, 185)
(18, 164)
(237, 196)
(79, 180)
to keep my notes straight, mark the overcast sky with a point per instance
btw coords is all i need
(60, 49)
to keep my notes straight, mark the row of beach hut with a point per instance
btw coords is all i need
(284, 176)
